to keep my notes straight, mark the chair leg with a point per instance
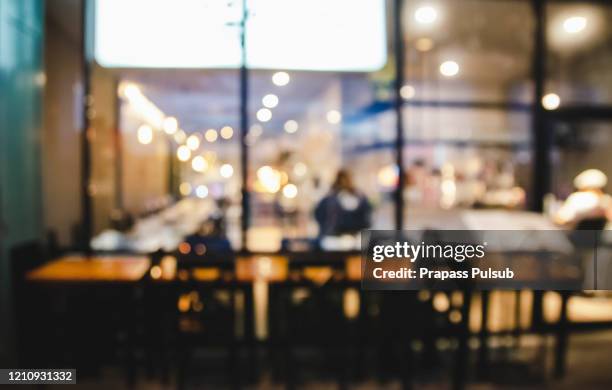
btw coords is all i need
(461, 356)
(289, 363)
(407, 367)
(183, 369)
(483, 351)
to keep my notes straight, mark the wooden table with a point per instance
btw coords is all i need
(96, 269)
(275, 268)
(69, 299)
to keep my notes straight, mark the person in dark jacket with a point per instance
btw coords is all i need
(344, 210)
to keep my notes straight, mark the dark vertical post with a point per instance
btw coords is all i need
(540, 133)
(562, 336)
(118, 150)
(86, 201)
(398, 38)
(483, 336)
(461, 362)
(539, 125)
(244, 127)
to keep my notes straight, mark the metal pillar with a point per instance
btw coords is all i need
(244, 128)
(398, 104)
(118, 150)
(540, 128)
(87, 103)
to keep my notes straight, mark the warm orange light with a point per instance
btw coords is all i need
(155, 272)
(184, 248)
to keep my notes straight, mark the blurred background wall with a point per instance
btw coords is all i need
(63, 123)
(103, 137)
(62, 153)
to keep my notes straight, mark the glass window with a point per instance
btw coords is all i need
(305, 128)
(579, 52)
(579, 146)
(469, 50)
(181, 152)
(467, 97)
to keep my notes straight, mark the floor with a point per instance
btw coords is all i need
(589, 367)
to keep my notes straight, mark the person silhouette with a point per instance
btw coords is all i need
(344, 210)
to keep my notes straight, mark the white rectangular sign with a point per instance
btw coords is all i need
(327, 35)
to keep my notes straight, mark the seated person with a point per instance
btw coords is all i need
(589, 205)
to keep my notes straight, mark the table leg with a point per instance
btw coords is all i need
(483, 351)
(562, 337)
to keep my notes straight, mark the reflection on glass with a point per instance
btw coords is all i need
(179, 165)
(321, 125)
(579, 52)
(466, 112)
(581, 187)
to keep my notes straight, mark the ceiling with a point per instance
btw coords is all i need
(205, 99)
(490, 40)
(492, 43)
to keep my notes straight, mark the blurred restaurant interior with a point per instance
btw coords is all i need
(165, 167)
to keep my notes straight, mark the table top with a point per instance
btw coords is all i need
(276, 269)
(79, 268)
(265, 268)
(257, 268)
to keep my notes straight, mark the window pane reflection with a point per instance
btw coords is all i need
(579, 146)
(305, 128)
(471, 50)
(184, 177)
(467, 96)
(580, 52)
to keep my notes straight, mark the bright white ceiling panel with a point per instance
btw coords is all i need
(326, 35)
